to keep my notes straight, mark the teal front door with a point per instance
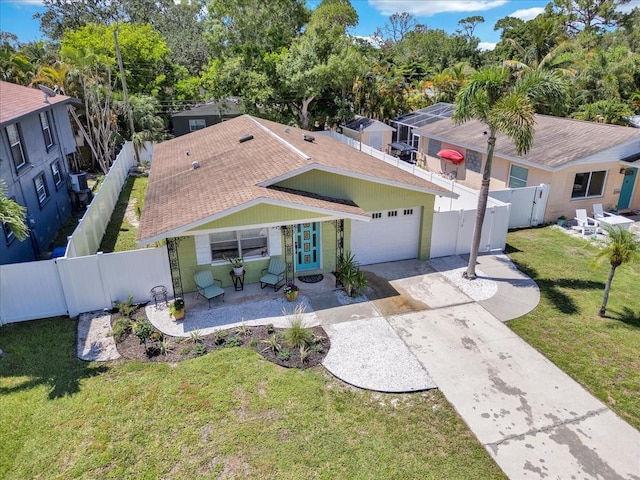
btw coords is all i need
(627, 188)
(307, 246)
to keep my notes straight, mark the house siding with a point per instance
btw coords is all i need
(44, 220)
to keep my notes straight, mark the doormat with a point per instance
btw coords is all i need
(311, 278)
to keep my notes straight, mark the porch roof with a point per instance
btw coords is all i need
(231, 174)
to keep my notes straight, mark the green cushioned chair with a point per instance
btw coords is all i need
(207, 286)
(273, 275)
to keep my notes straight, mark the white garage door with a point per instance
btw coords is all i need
(390, 235)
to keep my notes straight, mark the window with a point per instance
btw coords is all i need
(376, 215)
(46, 130)
(8, 234)
(518, 176)
(588, 184)
(408, 211)
(197, 124)
(392, 213)
(19, 158)
(41, 188)
(243, 243)
(57, 175)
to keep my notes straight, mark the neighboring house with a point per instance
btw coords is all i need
(201, 117)
(370, 132)
(407, 123)
(583, 162)
(258, 189)
(36, 140)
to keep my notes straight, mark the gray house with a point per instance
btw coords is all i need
(36, 139)
(201, 117)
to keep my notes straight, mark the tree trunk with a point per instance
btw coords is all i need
(470, 273)
(303, 112)
(607, 287)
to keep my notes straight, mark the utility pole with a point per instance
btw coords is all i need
(124, 91)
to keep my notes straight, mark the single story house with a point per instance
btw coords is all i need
(204, 116)
(368, 131)
(583, 162)
(259, 189)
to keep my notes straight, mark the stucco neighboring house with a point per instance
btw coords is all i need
(583, 162)
(370, 132)
(36, 140)
(204, 116)
(260, 189)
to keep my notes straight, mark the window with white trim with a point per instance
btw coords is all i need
(56, 173)
(589, 184)
(408, 211)
(197, 124)
(15, 143)
(41, 188)
(46, 130)
(376, 215)
(248, 243)
(392, 213)
(518, 176)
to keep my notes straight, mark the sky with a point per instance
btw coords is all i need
(16, 16)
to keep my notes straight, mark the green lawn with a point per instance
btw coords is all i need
(603, 354)
(120, 235)
(228, 414)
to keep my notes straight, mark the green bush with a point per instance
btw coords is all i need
(284, 354)
(272, 343)
(127, 307)
(297, 335)
(143, 330)
(233, 341)
(219, 337)
(121, 327)
(199, 349)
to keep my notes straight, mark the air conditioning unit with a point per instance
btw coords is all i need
(78, 181)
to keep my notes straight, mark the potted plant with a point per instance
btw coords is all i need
(347, 271)
(562, 220)
(237, 263)
(176, 309)
(291, 292)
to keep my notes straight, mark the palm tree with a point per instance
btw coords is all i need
(505, 104)
(622, 247)
(12, 214)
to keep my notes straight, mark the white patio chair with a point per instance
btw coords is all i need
(598, 212)
(586, 224)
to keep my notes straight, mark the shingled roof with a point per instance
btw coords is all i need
(233, 175)
(557, 141)
(17, 101)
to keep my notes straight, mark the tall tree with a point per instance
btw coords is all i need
(505, 104)
(12, 214)
(622, 247)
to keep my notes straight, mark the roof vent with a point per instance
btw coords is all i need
(286, 130)
(308, 138)
(245, 138)
(195, 165)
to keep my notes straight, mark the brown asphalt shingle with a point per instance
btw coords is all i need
(17, 101)
(232, 174)
(557, 141)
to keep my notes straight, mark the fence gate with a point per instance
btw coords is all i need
(527, 204)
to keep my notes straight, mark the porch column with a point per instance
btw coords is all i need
(339, 226)
(174, 265)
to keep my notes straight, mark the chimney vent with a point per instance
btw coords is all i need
(245, 138)
(308, 138)
(195, 165)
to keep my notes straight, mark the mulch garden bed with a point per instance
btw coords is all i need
(269, 342)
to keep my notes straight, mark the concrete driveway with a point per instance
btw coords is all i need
(534, 420)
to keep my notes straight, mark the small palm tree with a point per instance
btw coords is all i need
(12, 214)
(622, 247)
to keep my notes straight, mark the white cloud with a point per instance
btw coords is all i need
(24, 2)
(426, 9)
(367, 39)
(626, 8)
(527, 14)
(486, 45)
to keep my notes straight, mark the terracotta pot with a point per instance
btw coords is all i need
(178, 315)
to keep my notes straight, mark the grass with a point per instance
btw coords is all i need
(226, 414)
(600, 353)
(120, 235)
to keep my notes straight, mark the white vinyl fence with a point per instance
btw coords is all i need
(454, 218)
(69, 286)
(87, 236)
(527, 204)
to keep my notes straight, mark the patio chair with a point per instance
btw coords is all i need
(273, 275)
(586, 224)
(598, 212)
(207, 287)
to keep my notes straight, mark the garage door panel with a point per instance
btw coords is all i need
(388, 238)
